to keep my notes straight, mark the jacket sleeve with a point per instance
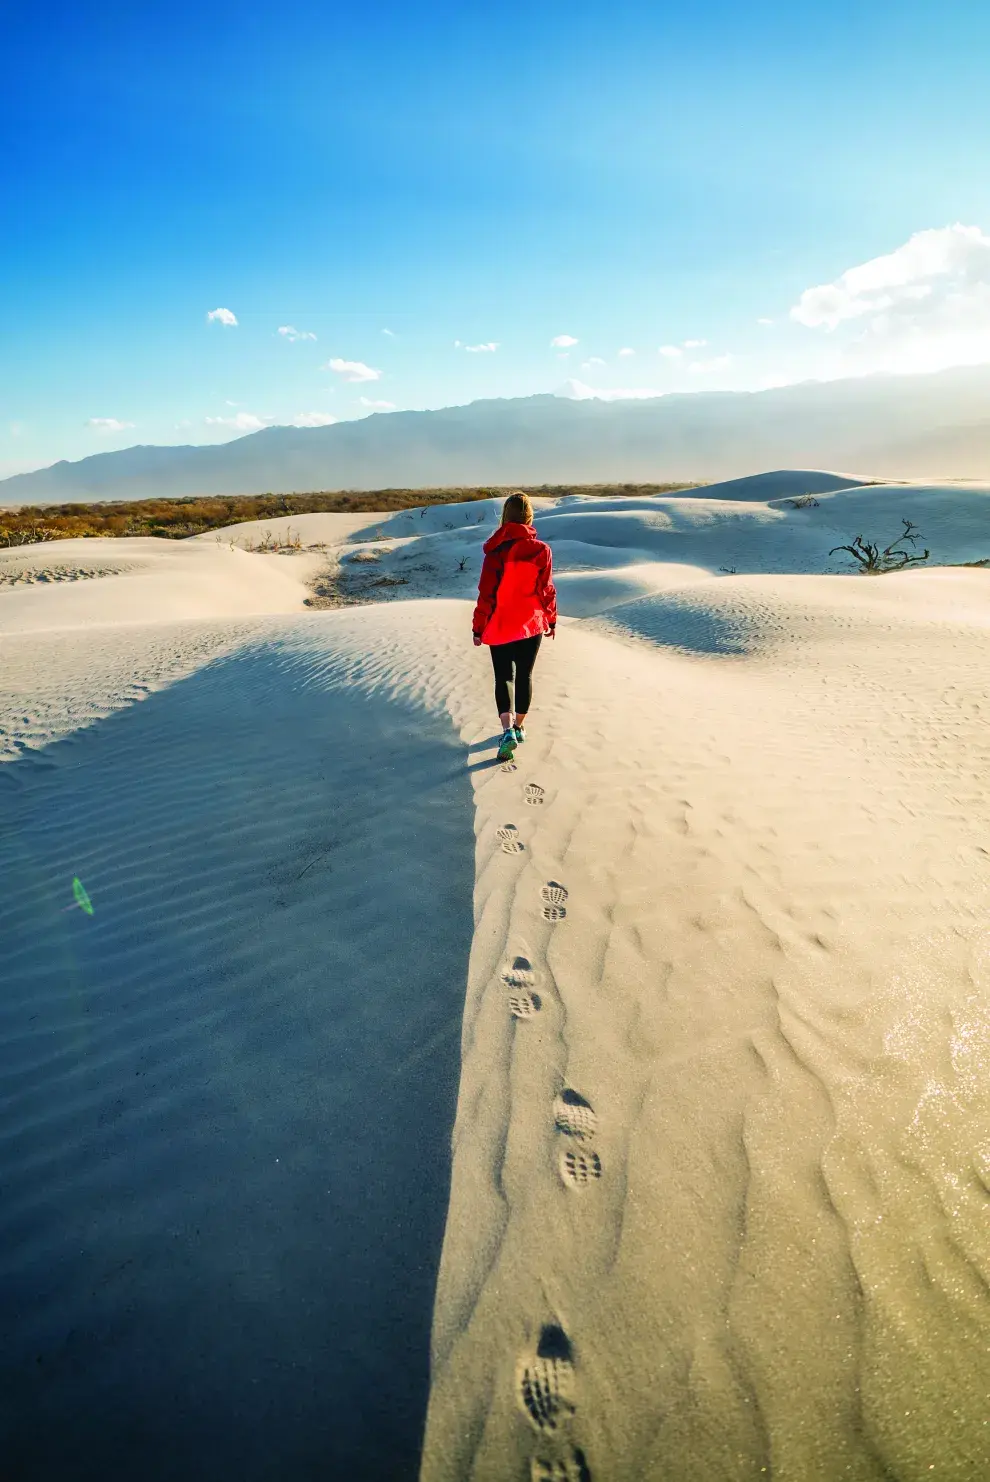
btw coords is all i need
(491, 572)
(546, 591)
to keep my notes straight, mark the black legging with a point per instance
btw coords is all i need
(520, 656)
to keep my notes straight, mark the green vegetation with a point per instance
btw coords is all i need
(177, 518)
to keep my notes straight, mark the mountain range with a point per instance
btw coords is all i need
(916, 427)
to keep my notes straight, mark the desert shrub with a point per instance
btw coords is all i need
(174, 519)
(876, 562)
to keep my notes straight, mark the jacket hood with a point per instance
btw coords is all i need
(507, 533)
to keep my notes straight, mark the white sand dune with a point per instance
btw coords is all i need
(611, 551)
(783, 481)
(157, 581)
(721, 1160)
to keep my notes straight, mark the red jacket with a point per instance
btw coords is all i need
(516, 595)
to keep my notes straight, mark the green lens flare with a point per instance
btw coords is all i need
(82, 899)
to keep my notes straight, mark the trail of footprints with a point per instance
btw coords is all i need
(545, 1379)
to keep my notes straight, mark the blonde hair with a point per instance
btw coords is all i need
(517, 509)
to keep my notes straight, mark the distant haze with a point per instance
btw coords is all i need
(933, 427)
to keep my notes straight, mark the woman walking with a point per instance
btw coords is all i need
(517, 604)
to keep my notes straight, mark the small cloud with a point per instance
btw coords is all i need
(390, 333)
(184, 423)
(377, 406)
(671, 351)
(15, 428)
(578, 391)
(107, 424)
(243, 422)
(312, 419)
(764, 321)
(289, 332)
(562, 342)
(353, 370)
(595, 360)
(627, 351)
(490, 348)
(695, 344)
(222, 316)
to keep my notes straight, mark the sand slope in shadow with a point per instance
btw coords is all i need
(228, 1093)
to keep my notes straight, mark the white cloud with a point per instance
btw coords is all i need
(908, 274)
(764, 321)
(390, 333)
(695, 344)
(626, 351)
(377, 406)
(353, 370)
(594, 360)
(490, 348)
(562, 342)
(222, 316)
(671, 351)
(923, 307)
(243, 422)
(710, 367)
(578, 391)
(107, 424)
(313, 419)
(289, 332)
(15, 429)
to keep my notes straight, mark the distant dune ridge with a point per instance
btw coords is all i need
(713, 1006)
(933, 426)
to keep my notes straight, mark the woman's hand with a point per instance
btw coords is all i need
(477, 641)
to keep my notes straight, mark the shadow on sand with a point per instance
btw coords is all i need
(228, 1093)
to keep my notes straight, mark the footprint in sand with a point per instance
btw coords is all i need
(569, 1468)
(524, 1005)
(534, 794)
(520, 980)
(509, 767)
(545, 1380)
(554, 895)
(508, 837)
(579, 1166)
(574, 1116)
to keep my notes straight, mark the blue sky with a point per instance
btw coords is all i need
(632, 177)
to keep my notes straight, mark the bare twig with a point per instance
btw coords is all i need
(876, 562)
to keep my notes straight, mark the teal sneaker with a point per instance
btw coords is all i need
(520, 734)
(508, 745)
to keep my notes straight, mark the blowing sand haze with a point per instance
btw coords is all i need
(619, 1112)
